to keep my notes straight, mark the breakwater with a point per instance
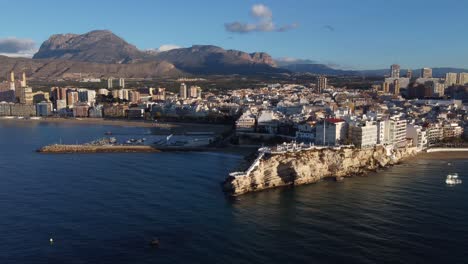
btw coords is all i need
(303, 165)
(58, 148)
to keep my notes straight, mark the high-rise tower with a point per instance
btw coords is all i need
(23, 80)
(395, 71)
(426, 73)
(12, 80)
(321, 83)
(183, 91)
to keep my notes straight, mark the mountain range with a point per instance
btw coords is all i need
(101, 53)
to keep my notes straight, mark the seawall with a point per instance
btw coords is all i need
(432, 150)
(96, 149)
(310, 166)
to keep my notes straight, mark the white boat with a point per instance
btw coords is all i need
(453, 179)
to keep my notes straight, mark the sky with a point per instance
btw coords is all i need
(348, 34)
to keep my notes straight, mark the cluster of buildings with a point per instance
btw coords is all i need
(336, 116)
(424, 86)
(317, 113)
(18, 99)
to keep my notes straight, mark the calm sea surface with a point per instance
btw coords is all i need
(105, 208)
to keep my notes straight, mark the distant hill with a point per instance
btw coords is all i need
(99, 46)
(58, 68)
(101, 53)
(105, 48)
(317, 69)
(207, 59)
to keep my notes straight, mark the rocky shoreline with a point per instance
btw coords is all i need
(310, 166)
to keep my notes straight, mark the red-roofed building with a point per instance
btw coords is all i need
(334, 133)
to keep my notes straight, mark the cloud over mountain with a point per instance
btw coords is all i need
(16, 47)
(263, 22)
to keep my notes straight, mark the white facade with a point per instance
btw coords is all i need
(183, 91)
(364, 135)
(110, 83)
(434, 134)
(450, 78)
(195, 92)
(246, 122)
(117, 93)
(103, 91)
(397, 130)
(383, 132)
(418, 135)
(334, 133)
(61, 104)
(462, 78)
(391, 131)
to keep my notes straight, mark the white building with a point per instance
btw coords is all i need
(122, 83)
(195, 92)
(452, 130)
(61, 104)
(183, 91)
(246, 122)
(450, 78)
(402, 81)
(331, 132)
(110, 83)
(363, 134)
(103, 91)
(434, 134)
(397, 130)
(117, 93)
(462, 78)
(418, 135)
(391, 131)
(305, 132)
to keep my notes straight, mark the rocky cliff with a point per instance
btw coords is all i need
(310, 166)
(98, 46)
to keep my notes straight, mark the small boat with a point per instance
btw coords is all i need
(453, 179)
(155, 242)
(108, 133)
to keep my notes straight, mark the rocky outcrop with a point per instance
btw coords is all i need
(310, 166)
(98, 46)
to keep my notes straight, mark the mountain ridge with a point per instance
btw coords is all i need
(104, 47)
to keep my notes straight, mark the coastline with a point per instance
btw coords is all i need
(117, 122)
(272, 170)
(442, 155)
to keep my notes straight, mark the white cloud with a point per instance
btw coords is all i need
(15, 47)
(261, 10)
(167, 47)
(264, 22)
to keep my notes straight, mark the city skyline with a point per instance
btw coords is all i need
(319, 31)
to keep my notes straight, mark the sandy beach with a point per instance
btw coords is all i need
(443, 155)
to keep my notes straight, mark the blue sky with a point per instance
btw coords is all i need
(361, 34)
